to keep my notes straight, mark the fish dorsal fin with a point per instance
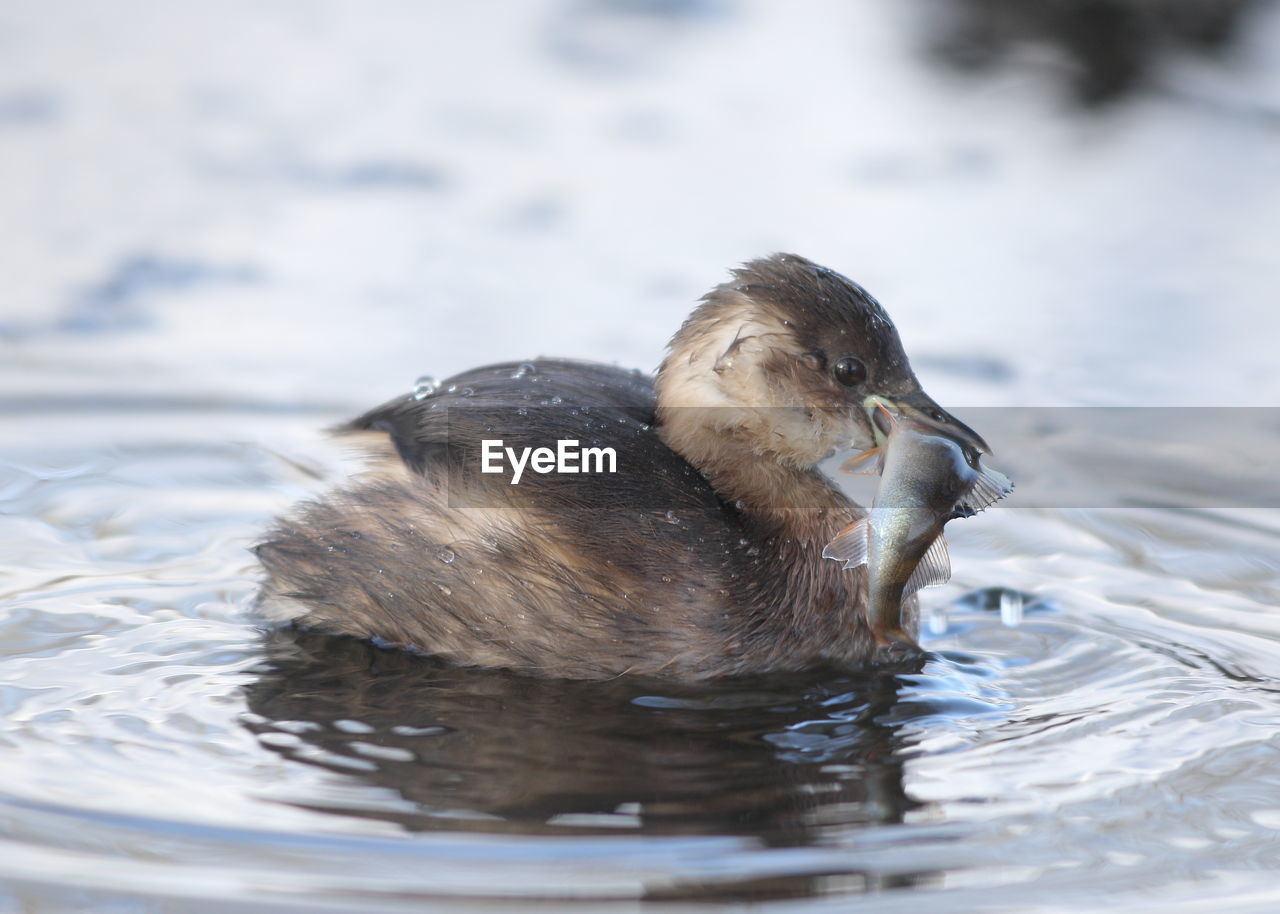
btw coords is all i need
(990, 486)
(850, 545)
(934, 568)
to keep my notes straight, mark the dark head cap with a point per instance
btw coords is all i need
(797, 355)
(829, 317)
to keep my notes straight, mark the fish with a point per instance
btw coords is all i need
(926, 480)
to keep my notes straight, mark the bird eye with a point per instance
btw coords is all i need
(850, 371)
(938, 415)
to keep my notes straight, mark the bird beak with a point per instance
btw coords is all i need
(921, 408)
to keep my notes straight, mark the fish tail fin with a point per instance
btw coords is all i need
(850, 544)
(934, 568)
(990, 486)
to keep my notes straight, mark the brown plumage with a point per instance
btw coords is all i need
(700, 557)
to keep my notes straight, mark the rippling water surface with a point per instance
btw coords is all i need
(1119, 738)
(229, 252)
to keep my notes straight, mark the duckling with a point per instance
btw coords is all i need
(698, 556)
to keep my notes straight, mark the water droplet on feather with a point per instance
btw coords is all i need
(424, 387)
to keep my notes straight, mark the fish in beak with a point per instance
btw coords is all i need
(922, 410)
(930, 474)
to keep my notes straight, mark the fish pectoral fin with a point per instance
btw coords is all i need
(850, 545)
(990, 486)
(862, 464)
(934, 568)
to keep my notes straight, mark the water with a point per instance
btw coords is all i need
(245, 260)
(1121, 737)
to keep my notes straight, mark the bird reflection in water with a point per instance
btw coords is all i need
(787, 761)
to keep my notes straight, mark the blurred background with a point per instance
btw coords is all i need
(1062, 202)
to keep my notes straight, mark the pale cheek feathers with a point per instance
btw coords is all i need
(742, 381)
(722, 367)
(810, 437)
(736, 362)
